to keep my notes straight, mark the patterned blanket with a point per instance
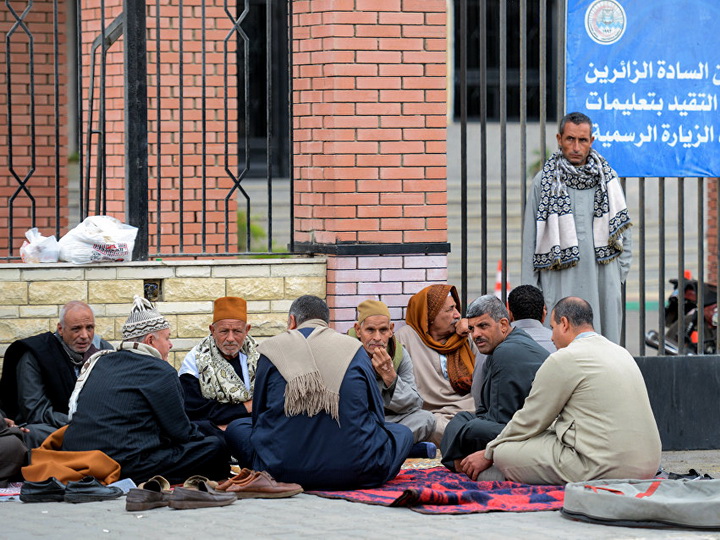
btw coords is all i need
(439, 491)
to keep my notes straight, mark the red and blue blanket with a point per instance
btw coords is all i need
(439, 491)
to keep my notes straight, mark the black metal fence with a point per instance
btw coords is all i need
(508, 96)
(183, 71)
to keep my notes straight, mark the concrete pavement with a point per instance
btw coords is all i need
(308, 516)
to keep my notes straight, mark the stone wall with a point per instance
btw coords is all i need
(32, 294)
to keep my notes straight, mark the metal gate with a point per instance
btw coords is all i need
(507, 96)
(210, 79)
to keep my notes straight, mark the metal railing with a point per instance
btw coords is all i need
(167, 61)
(490, 166)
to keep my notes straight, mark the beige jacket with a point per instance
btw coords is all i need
(591, 399)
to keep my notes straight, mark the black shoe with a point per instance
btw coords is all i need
(51, 490)
(90, 489)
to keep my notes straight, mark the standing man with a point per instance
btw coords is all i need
(318, 417)
(39, 372)
(527, 310)
(512, 359)
(393, 370)
(576, 237)
(443, 359)
(587, 417)
(128, 403)
(218, 374)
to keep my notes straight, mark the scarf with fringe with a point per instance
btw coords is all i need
(556, 242)
(313, 367)
(422, 309)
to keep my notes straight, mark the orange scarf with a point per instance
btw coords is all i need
(421, 311)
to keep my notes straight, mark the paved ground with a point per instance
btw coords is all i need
(308, 516)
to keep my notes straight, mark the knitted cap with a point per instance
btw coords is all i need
(230, 307)
(144, 319)
(368, 308)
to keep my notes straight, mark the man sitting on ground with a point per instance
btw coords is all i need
(512, 359)
(39, 372)
(317, 412)
(393, 370)
(587, 416)
(129, 404)
(218, 374)
(527, 309)
(443, 360)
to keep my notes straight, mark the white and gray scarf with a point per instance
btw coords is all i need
(556, 242)
(218, 379)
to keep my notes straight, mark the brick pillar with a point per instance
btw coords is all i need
(369, 94)
(712, 230)
(18, 94)
(164, 124)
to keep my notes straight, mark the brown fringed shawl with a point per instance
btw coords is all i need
(421, 311)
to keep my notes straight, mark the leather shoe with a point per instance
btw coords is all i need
(203, 497)
(243, 476)
(261, 485)
(151, 494)
(89, 489)
(194, 481)
(50, 490)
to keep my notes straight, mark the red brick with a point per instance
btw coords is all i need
(378, 30)
(379, 160)
(378, 186)
(402, 147)
(380, 262)
(379, 57)
(355, 199)
(351, 173)
(350, 44)
(403, 198)
(382, 109)
(401, 18)
(380, 212)
(424, 185)
(354, 17)
(389, 237)
(424, 160)
(425, 236)
(379, 288)
(379, 135)
(424, 5)
(380, 83)
(402, 70)
(402, 173)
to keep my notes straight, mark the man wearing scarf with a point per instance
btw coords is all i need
(129, 404)
(443, 360)
(576, 236)
(39, 372)
(393, 370)
(218, 374)
(318, 416)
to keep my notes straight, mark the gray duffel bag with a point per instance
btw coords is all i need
(645, 503)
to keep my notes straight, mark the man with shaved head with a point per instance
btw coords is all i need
(39, 372)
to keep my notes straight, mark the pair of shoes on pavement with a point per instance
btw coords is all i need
(249, 484)
(88, 489)
(196, 492)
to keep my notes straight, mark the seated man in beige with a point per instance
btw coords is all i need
(587, 416)
(393, 370)
(443, 359)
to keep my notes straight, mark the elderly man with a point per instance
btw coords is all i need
(512, 359)
(443, 360)
(393, 370)
(318, 415)
(527, 310)
(587, 416)
(39, 372)
(576, 236)
(218, 374)
(129, 404)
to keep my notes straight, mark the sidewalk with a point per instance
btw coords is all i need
(308, 516)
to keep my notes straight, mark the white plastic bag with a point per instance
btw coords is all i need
(98, 239)
(39, 248)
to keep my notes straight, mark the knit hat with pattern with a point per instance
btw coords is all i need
(144, 319)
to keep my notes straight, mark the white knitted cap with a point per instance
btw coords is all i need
(144, 319)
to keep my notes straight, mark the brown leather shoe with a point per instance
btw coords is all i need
(243, 476)
(263, 486)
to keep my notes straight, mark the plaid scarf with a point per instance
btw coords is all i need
(556, 242)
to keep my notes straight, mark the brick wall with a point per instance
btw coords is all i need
(369, 120)
(712, 229)
(34, 294)
(42, 177)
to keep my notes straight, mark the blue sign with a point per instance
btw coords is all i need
(647, 72)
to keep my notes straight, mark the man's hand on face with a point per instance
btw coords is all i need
(474, 464)
(382, 363)
(461, 328)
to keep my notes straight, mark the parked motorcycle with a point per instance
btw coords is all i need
(690, 334)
